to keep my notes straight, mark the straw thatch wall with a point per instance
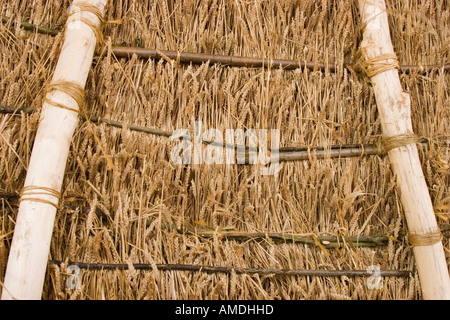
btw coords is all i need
(128, 213)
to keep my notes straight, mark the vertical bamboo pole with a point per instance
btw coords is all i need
(395, 114)
(29, 252)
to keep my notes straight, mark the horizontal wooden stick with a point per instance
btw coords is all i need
(329, 242)
(13, 110)
(30, 247)
(225, 60)
(229, 270)
(285, 153)
(32, 27)
(334, 152)
(249, 62)
(235, 61)
(112, 123)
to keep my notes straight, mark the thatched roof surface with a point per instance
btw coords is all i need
(141, 209)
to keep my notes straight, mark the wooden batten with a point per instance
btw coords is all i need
(28, 257)
(395, 115)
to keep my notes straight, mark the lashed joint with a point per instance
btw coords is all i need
(36, 193)
(424, 239)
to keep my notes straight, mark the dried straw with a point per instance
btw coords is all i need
(117, 216)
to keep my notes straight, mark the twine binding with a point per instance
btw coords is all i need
(389, 143)
(424, 239)
(72, 89)
(374, 66)
(32, 193)
(84, 6)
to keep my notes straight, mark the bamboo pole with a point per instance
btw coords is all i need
(249, 62)
(395, 115)
(29, 252)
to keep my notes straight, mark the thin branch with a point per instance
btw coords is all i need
(250, 62)
(285, 153)
(229, 270)
(225, 60)
(329, 242)
(131, 127)
(234, 61)
(32, 27)
(338, 151)
(112, 123)
(8, 195)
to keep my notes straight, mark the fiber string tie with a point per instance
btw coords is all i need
(76, 92)
(389, 143)
(72, 89)
(376, 65)
(87, 7)
(32, 193)
(424, 239)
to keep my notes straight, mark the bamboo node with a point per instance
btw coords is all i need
(424, 239)
(30, 193)
(85, 6)
(72, 89)
(397, 141)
